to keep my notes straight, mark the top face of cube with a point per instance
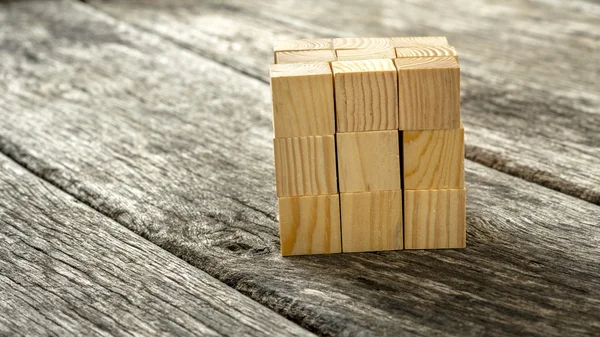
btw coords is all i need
(326, 86)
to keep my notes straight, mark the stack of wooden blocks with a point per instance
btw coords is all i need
(369, 146)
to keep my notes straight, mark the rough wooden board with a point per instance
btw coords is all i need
(68, 270)
(141, 137)
(526, 93)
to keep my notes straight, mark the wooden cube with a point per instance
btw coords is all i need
(310, 225)
(419, 41)
(366, 95)
(301, 44)
(305, 56)
(433, 51)
(365, 54)
(302, 99)
(434, 159)
(368, 161)
(435, 219)
(305, 166)
(362, 43)
(371, 221)
(429, 93)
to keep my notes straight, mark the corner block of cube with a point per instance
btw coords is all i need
(302, 99)
(368, 161)
(435, 219)
(434, 159)
(309, 225)
(429, 93)
(371, 221)
(305, 165)
(366, 95)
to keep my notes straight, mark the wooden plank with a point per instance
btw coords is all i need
(68, 270)
(429, 93)
(176, 162)
(310, 225)
(302, 99)
(435, 219)
(305, 56)
(368, 161)
(519, 103)
(365, 54)
(366, 95)
(433, 159)
(305, 166)
(371, 221)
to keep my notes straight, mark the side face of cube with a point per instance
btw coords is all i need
(366, 95)
(433, 159)
(310, 225)
(302, 99)
(429, 93)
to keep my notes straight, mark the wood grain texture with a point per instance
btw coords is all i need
(368, 161)
(366, 95)
(305, 56)
(429, 93)
(145, 140)
(302, 44)
(310, 225)
(371, 221)
(433, 159)
(68, 270)
(305, 166)
(302, 99)
(365, 54)
(439, 51)
(435, 219)
(361, 43)
(519, 103)
(419, 41)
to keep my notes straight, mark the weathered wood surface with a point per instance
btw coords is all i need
(67, 270)
(530, 88)
(149, 134)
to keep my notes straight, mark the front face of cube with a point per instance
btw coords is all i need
(368, 145)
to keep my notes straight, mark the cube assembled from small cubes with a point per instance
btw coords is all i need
(369, 146)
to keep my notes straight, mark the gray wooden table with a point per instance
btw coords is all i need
(136, 175)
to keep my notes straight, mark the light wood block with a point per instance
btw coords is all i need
(419, 41)
(434, 159)
(435, 51)
(366, 95)
(305, 56)
(302, 99)
(362, 43)
(305, 166)
(429, 93)
(435, 219)
(368, 161)
(371, 221)
(310, 225)
(301, 44)
(365, 54)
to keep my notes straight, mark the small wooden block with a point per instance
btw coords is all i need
(371, 221)
(368, 161)
(365, 54)
(434, 159)
(310, 225)
(426, 52)
(366, 95)
(305, 56)
(362, 43)
(302, 99)
(419, 41)
(301, 44)
(435, 219)
(429, 93)
(305, 166)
